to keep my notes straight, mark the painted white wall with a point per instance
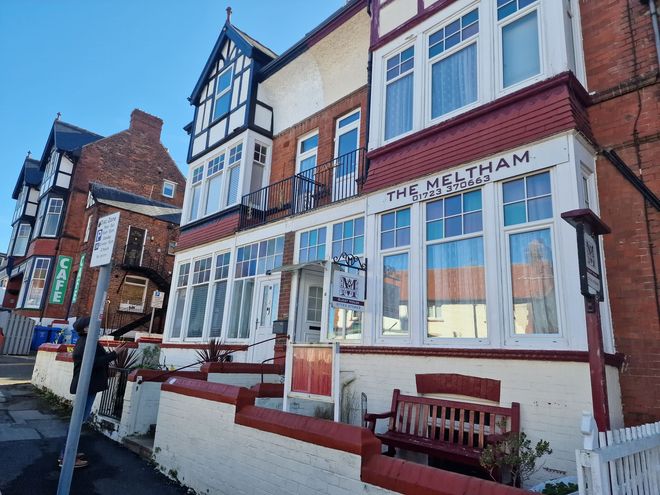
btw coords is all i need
(240, 460)
(140, 408)
(242, 379)
(330, 70)
(552, 395)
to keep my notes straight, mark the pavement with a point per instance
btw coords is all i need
(32, 434)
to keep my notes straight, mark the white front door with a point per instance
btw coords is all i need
(347, 159)
(268, 296)
(311, 304)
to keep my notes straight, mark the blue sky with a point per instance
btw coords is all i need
(97, 60)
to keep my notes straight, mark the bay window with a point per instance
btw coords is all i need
(347, 237)
(527, 204)
(180, 299)
(195, 192)
(251, 260)
(52, 219)
(214, 184)
(19, 208)
(219, 294)
(519, 33)
(455, 276)
(50, 172)
(234, 165)
(198, 294)
(395, 254)
(399, 93)
(37, 284)
(453, 58)
(22, 237)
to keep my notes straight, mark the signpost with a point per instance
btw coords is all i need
(157, 300)
(61, 279)
(104, 242)
(589, 227)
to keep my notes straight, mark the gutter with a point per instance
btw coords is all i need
(630, 176)
(653, 12)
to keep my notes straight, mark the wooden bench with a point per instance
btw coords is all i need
(446, 429)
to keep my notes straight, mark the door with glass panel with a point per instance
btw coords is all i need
(305, 183)
(268, 296)
(347, 142)
(311, 304)
(134, 246)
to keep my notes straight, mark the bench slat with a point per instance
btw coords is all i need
(471, 431)
(482, 428)
(434, 425)
(452, 423)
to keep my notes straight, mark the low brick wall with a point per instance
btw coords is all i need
(212, 438)
(243, 374)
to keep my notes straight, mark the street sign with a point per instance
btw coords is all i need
(157, 299)
(61, 279)
(104, 241)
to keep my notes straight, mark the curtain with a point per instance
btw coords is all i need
(455, 289)
(197, 310)
(454, 81)
(533, 283)
(232, 195)
(399, 106)
(520, 49)
(218, 308)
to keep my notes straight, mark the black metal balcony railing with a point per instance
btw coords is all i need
(327, 183)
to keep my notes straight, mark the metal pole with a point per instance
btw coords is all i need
(73, 437)
(151, 323)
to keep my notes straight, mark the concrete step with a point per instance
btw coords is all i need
(141, 445)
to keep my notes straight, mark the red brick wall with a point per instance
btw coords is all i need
(285, 143)
(621, 65)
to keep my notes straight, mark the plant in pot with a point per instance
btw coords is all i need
(126, 358)
(513, 456)
(212, 353)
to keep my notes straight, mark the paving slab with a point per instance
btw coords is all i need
(12, 433)
(22, 416)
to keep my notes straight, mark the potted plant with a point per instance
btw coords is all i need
(513, 457)
(212, 353)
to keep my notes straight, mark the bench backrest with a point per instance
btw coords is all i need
(461, 423)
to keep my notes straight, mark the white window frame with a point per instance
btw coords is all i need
(177, 285)
(196, 183)
(29, 287)
(132, 308)
(230, 167)
(19, 236)
(50, 172)
(381, 254)
(189, 293)
(415, 106)
(428, 63)
(209, 174)
(214, 287)
(499, 25)
(47, 213)
(217, 96)
(300, 156)
(20, 203)
(167, 183)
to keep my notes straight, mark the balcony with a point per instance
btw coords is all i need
(337, 180)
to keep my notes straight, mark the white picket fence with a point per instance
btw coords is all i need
(18, 332)
(619, 462)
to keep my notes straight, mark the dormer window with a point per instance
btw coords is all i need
(168, 189)
(222, 94)
(50, 172)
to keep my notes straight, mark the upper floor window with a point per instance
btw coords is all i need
(258, 166)
(223, 93)
(307, 153)
(22, 237)
(182, 280)
(168, 189)
(234, 165)
(519, 33)
(53, 214)
(196, 191)
(399, 93)
(50, 171)
(20, 203)
(454, 66)
(214, 183)
(37, 283)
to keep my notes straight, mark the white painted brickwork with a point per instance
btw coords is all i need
(140, 409)
(552, 395)
(242, 379)
(198, 440)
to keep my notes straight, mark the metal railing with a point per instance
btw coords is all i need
(112, 399)
(339, 179)
(152, 264)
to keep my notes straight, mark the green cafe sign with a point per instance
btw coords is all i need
(61, 279)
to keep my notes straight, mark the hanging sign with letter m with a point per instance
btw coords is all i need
(348, 290)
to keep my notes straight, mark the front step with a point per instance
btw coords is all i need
(142, 445)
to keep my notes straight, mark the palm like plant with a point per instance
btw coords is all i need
(213, 353)
(126, 358)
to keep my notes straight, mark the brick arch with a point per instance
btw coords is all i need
(453, 383)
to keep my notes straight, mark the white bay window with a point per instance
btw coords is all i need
(395, 259)
(180, 299)
(519, 32)
(201, 275)
(399, 93)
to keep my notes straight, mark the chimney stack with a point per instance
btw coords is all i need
(146, 124)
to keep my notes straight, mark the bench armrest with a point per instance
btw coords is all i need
(370, 419)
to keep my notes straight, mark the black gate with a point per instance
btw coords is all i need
(112, 399)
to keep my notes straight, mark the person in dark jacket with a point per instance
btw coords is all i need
(97, 382)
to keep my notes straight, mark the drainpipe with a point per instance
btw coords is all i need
(653, 12)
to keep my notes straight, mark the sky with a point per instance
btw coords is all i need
(96, 60)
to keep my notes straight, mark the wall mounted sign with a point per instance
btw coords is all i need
(76, 285)
(60, 279)
(491, 169)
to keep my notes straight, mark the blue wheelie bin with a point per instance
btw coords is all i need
(40, 336)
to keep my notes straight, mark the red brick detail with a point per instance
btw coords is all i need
(42, 247)
(52, 348)
(615, 360)
(224, 347)
(269, 389)
(338, 436)
(407, 477)
(64, 356)
(150, 340)
(218, 392)
(252, 368)
(453, 383)
(206, 232)
(161, 376)
(540, 111)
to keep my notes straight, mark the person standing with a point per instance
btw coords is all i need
(98, 381)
